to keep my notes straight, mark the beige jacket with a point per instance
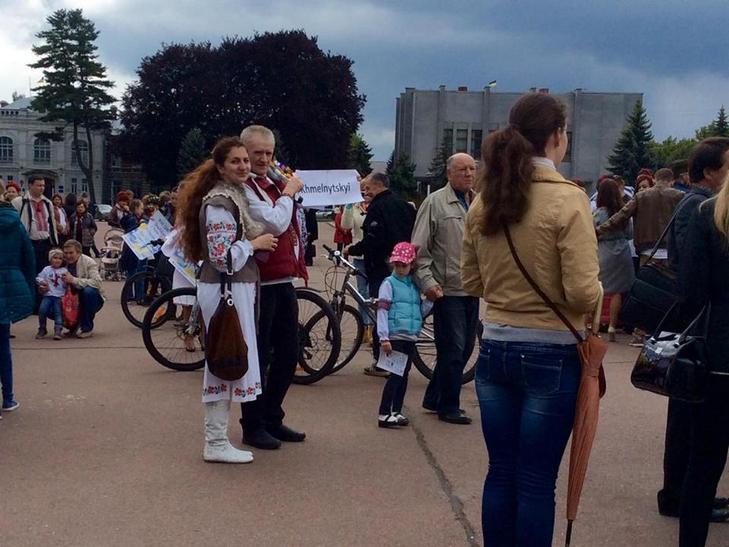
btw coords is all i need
(87, 274)
(556, 242)
(438, 236)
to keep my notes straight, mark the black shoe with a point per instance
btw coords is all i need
(285, 434)
(260, 438)
(430, 407)
(455, 418)
(721, 503)
(719, 515)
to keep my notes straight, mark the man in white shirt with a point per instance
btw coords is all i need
(36, 214)
(272, 203)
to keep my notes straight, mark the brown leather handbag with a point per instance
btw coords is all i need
(226, 351)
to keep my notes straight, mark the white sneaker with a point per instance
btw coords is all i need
(226, 453)
(401, 420)
(387, 420)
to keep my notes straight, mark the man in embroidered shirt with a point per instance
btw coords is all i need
(36, 214)
(272, 204)
(438, 236)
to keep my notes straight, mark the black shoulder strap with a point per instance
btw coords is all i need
(657, 246)
(536, 287)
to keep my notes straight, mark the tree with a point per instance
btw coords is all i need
(632, 150)
(401, 172)
(282, 80)
(671, 150)
(439, 166)
(74, 85)
(717, 128)
(359, 155)
(192, 152)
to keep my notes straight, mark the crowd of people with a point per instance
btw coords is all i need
(515, 234)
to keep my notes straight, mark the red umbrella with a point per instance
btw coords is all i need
(592, 386)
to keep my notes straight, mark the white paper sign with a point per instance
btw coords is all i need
(334, 187)
(395, 362)
(140, 240)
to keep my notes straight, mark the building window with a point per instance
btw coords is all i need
(74, 185)
(6, 149)
(568, 153)
(41, 151)
(448, 141)
(476, 137)
(461, 140)
(84, 185)
(116, 161)
(81, 147)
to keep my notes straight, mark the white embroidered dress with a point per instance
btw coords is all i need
(221, 229)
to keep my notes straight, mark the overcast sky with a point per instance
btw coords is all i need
(673, 51)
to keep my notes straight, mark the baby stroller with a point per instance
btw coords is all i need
(111, 253)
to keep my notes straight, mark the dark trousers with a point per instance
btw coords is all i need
(675, 455)
(373, 284)
(41, 247)
(527, 394)
(6, 364)
(455, 319)
(393, 394)
(707, 458)
(90, 303)
(278, 351)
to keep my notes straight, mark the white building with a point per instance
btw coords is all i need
(23, 155)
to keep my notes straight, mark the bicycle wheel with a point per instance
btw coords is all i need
(425, 354)
(352, 328)
(174, 344)
(154, 286)
(319, 337)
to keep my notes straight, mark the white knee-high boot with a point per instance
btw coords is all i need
(217, 446)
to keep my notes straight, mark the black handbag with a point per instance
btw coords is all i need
(653, 293)
(675, 365)
(226, 351)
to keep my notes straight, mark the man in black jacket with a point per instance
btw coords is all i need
(708, 167)
(389, 221)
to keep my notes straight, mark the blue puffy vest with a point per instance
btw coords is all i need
(404, 315)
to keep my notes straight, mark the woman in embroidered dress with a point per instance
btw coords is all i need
(214, 219)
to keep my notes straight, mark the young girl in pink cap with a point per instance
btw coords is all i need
(399, 320)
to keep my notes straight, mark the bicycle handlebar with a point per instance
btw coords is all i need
(337, 257)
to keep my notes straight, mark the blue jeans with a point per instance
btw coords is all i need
(89, 304)
(455, 319)
(527, 394)
(50, 308)
(362, 288)
(6, 364)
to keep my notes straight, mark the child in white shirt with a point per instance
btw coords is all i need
(52, 277)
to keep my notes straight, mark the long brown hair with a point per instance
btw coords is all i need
(194, 187)
(506, 178)
(608, 196)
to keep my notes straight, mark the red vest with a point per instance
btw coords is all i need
(281, 263)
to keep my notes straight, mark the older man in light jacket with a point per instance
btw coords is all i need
(438, 235)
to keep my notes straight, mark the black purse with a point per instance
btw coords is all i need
(226, 351)
(653, 293)
(675, 365)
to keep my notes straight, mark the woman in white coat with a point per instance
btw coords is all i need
(214, 219)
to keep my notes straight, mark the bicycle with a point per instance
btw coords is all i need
(425, 354)
(155, 283)
(176, 342)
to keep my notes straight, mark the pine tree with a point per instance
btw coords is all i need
(438, 166)
(632, 151)
(359, 155)
(721, 124)
(75, 86)
(192, 152)
(401, 172)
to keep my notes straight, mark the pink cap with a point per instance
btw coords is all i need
(403, 252)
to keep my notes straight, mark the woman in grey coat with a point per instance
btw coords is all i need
(616, 263)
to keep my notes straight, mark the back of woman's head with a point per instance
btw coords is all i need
(608, 196)
(507, 174)
(193, 189)
(721, 212)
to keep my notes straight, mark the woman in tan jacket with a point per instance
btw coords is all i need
(528, 369)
